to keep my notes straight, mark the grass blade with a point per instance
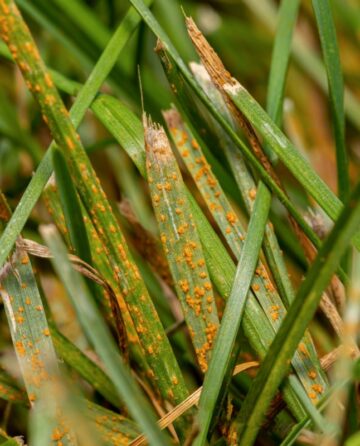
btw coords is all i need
(220, 364)
(272, 370)
(181, 242)
(287, 16)
(28, 325)
(331, 56)
(99, 335)
(71, 207)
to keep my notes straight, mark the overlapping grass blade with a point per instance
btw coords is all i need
(308, 369)
(217, 377)
(272, 370)
(99, 335)
(300, 168)
(181, 242)
(326, 27)
(113, 427)
(221, 267)
(101, 263)
(151, 333)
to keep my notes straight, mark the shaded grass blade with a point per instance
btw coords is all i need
(99, 335)
(273, 369)
(71, 207)
(305, 56)
(326, 27)
(287, 15)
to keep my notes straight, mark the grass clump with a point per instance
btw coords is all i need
(203, 278)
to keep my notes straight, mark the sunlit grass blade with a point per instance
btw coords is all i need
(219, 370)
(181, 242)
(147, 323)
(100, 336)
(326, 27)
(77, 113)
(302, 310)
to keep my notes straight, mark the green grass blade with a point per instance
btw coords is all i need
(86, 368)
(101, 338)
(273, 369)
(331, 57)
(178, 80)
(77, 113)
(71, 207)
(294, 161)
(181, 242)
(111, 426)
(287, 15)
(230, 324)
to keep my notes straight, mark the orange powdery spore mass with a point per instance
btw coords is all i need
(180, 239)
